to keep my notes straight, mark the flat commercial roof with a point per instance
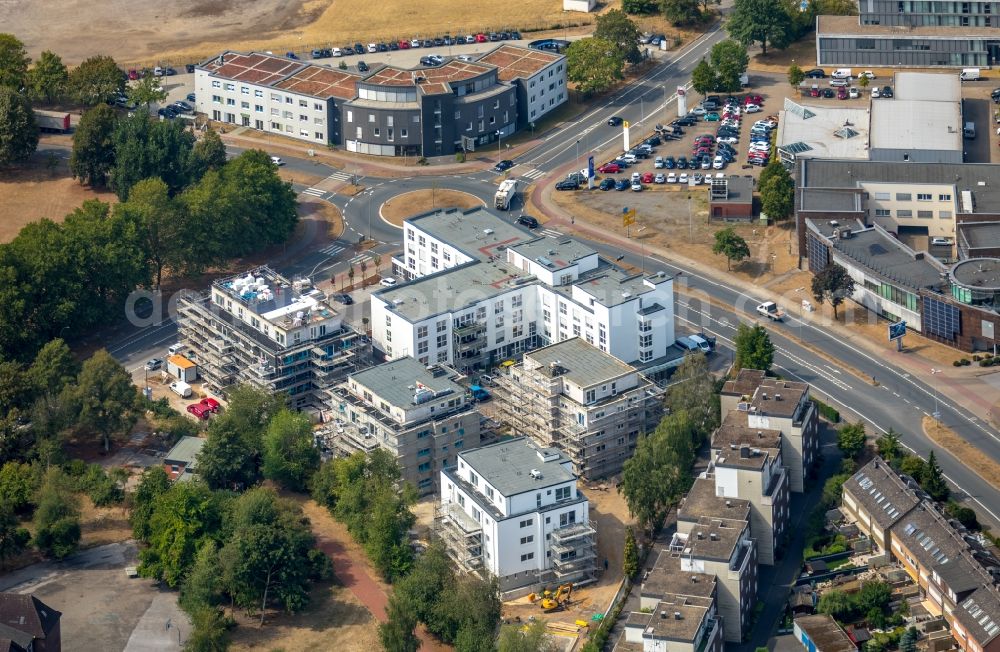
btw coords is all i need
(815, 126)
(252, 68)
(615, 287)
(450, 289)
(980, 234)
(701, 500)
(580, 363)
(927, 86)
(507, 466)
(477, 232)
(881, 253)
(825, 633)
(515, 62)
(981, 274)
(320, 81)
(851, 27)
(916, 124)
(558, 254)
(392, 382)
(739, 191)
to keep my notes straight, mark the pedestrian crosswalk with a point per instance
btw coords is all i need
(315, 192)
(332, 250)
(361, 258)
(533, 173)
(549, 233)
(341, 176)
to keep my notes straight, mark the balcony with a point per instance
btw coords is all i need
(462, 535)
(471, 329)
(572, 533)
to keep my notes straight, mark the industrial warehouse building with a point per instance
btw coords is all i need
(387, 111)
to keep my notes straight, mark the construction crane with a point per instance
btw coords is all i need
(558, 600)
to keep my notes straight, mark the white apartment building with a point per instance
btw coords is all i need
(483, 289)
(540, 78)
(419, 414)
(587, 403)
(512, 510)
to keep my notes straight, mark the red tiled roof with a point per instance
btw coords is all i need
(319, 81)
(253, 68)
(515, 62)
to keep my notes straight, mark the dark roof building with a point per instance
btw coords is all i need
(29, 623)
(821, 633)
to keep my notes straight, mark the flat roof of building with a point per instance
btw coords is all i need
(813, 130)
(667, 577)
(320, 81)
(404, 382)
(252, 68)
(675, 618)
(825, 633)
(735, 430)
(979, 235)
(516, 62)
(451, 71)
(980, 179)
(701, 501)
(614, 287)
(851, 27)
(185, 451)
(580, 363)
(778, 398)
(180, 361)
(878, 251)
(507, 465)
(739, 190)
(926, 86)
(275, 299)
(451, 289)
(916, 124)
(881, 492)
(715, 538)
(554, 255)
(477, 232)
(745, 384)
(841, 200)
(978, 274)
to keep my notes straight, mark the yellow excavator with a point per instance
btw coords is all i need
(558, 600)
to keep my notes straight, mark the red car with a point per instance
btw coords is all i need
(842, 93)
(753, 99)
(210, 403)
(199, 411)
(404, 45)
(133, 73)
(647, 177)
(610, 168)
(813, 92)
(482, 38)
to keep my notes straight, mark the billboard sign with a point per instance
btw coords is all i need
(897, 330)
(590, 167)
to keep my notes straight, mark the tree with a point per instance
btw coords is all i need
(57, 518)
(209, 633)
(908, 641)
(107, 398)
(888, 446)
(641, 7)
(835, 7)
(731, 245)
(777, 196)
(96, 80)
(795, 76)
(851, 439)
(183, 518)
(146, 92)
(760, 21)
(729, 60)
(152, 484)
(594, 65)
(530, 638)
(913, 466)
(397, 632)
(290, 455)
(964, 515)
(93, 154)
(230, 458)
(54, 368)
(621, 31)
(47, 78)
(18, 131)
(692, 391)
(18, 485)
(14, 61)
(832, 285)
(13, 538)
(146, 148)
(863, 81)
(703, 78)
(933, 481)
(754, 349)
(772, 169)
(835, 603)
(161, 222)
(630, 555)
(833, 490)
(209, 153)
(681, 12)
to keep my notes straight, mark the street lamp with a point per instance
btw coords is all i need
(578, 152)
(937, 413)
(371, 198)
(498, 146)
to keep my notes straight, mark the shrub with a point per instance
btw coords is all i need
(956, 363)
(827, 412)
(460, 157)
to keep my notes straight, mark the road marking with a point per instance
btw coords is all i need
(549, 233)
(341, 176)
(358, 259)
(315, 192)
(534, 173)
(332, 250)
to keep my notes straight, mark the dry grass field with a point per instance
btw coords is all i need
(408, 204)
(145, 31)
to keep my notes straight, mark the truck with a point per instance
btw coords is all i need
(969, 74)
(771, 310)
(57, 121)
(505, 194)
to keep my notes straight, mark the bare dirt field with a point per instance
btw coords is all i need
(409, 204)
(144, 32)
(36, 190)
(975, 459)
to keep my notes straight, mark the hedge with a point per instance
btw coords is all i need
(827, 412)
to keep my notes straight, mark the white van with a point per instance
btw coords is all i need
(181, 388)
(174, 349)
(841, 73)
(969, 74)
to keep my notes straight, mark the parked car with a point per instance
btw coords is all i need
(167, 112)
(568, 184)
(868, 74)
(647, 177)
(387, 281)
(854, 93)
(683, 178)
(669, 162)
(363, 67)
(672, 177)
(658, 163)
(660, 178)
(190, 97)
(682, 163)
(718, 163)
(199, 411)
(607, 183)
(636, 186)
(752, 108)
(210, 404)
(814, 92)
(343, 298)
(829, 93)
(528, 221)
(622, 184)
(886, 91)
(372, 48)
(182, 106)
(840, 82)
(941, 242)
(995, 95)
(277, 161)
(189, 67)
(503, 165)
(712, 117)
(842, 93)
(816, 73)
(153, 364)
(876, 93)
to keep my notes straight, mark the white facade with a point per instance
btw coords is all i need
(930, 205)
(546, 89)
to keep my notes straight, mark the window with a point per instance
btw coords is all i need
(350, 116)
(527, 539)
(216, 84)
(903, 196)
(924, 196)
(568, 518)
(591, 395)
(377, 134)
(945, 215)
(217, 99)
(258, 93)
(402, 133)
(416, 119)
(944, 197)
(527, 522)
(562, 493)
(371, 117)
(884, 196)
(904, 213)
(925, 214)
(882, 212)
(230, 87)
(442, 341)
(259, 108)
(318, 106)
(303, 118)
(230, 101)
(244, 90)
(244, 105)
(528, 556)
(289, 100)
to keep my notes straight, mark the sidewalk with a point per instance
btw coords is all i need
(964, 386)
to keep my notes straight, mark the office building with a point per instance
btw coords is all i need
(482, 290)
(780, 405)
(421, 415)
(512, 510)
(587, 403)
(386, 111)
(264, 330)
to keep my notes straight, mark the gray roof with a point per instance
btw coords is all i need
(825, 633)
(186, 451)
(719, 537)
(980, 614)
(827, 199)
(582, 364)
(882, 493)
(507, 466)
(980, 234)
(701, 500)
(454, 288)
(886, 256)
(816, 131)
(667, 577)
(391, 381)
(982, 179)
(982, 274)
(467, 231)
(559, 254)
(615, 287)
(927, 86)
(850, 27)
(916, 124)
(739, 191)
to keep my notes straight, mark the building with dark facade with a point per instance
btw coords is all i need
(387, 111)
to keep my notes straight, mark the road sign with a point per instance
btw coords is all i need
(625, 124)
(590, 167)
(897, 330)
(628, 217)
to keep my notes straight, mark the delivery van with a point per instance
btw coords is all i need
(969, 74)
(181, 388)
